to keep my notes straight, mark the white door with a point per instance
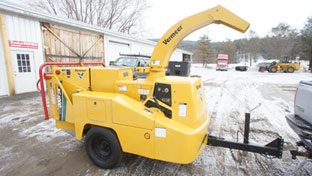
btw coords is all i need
(24, 71)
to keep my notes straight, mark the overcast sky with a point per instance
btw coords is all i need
(261, 14)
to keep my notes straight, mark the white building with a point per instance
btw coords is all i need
(33, 37)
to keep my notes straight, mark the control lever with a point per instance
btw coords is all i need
(157, 103)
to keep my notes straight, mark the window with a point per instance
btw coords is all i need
(23, 63)
(222, 60)
(126, 61)
(186, 57)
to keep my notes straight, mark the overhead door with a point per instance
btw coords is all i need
(116, 48)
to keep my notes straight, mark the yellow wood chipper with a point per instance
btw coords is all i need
(160, 117)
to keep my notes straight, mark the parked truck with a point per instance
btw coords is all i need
(301, 120)
(132, 61)
(222, 62)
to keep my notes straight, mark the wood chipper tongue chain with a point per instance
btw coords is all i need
(160, 117)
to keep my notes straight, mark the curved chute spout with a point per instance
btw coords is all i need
(171, 39)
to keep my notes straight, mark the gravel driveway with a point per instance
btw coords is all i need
(31, 146)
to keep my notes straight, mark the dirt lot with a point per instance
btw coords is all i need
(31, 146)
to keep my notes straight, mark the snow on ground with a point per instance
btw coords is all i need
(43, 131)
(229, 95)
(31, 146)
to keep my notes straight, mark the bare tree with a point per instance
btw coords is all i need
(228, 47)
(241, 50)
(282, 41)
(253, 46)
(119, 15)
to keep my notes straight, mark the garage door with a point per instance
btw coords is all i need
(115, 48)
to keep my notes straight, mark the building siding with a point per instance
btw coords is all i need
(26, 30)
(3, 74)
(132, 47)
(23, 24)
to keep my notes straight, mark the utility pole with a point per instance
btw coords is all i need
(7, 55)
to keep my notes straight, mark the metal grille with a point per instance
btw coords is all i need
(23, 63)
(59, 102)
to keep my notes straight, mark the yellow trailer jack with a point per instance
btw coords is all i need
(160, 117)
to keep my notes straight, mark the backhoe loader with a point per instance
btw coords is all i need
(160, 117)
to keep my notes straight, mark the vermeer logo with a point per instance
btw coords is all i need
(80, 75)
(167, 40)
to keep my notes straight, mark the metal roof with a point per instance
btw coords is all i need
(10, 7)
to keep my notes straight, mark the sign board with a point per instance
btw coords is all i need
(22, 44)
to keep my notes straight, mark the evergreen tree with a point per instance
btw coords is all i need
(306, 41)
(203, 51)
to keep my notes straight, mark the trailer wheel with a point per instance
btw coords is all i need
(273, 69)
(290, 69)
(103, 147)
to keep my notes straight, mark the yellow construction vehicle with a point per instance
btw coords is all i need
(284, 65)
(160, 117)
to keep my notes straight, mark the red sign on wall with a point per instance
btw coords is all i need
(22, 44)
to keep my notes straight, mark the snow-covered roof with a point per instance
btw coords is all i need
(9, 7)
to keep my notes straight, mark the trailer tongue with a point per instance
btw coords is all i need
(274, 148)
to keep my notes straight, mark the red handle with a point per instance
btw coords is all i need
(42, 85)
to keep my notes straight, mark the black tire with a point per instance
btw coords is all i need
(273, 69)
(290, 69)
(103, 147)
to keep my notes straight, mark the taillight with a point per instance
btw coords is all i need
(57, 72)
(295, 98)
